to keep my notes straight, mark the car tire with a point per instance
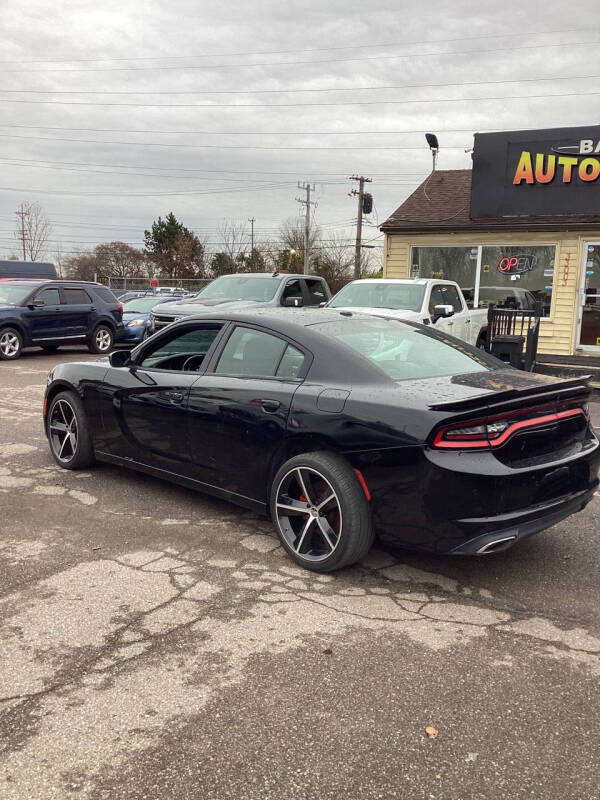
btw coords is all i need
(68, 432)
(50, 348)
(11, 344)
(101, 340)
(481, 341)
(330, 535)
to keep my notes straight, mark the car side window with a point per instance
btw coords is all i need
(76, 297)
(291, 363)
(293, 289)
(436, 298)
(254, 353)
(316, 292)
(182, 351)
(452, 298)
(51, 297)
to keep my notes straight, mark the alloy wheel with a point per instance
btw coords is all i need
(309, 513)
(63, 430)
(9, 344)
(102, 339)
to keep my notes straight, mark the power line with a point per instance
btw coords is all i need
(295, 105)
(296, 90)
(190, 169)
(305, 62)
(235, 133)
(297, 50)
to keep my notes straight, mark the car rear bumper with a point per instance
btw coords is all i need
(464, 504)
(493, 534)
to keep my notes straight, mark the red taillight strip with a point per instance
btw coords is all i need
(440, 442)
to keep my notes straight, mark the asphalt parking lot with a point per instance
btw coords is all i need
(156, 643)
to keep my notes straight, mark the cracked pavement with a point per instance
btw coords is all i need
(158, 643)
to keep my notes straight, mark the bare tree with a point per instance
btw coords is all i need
(234, 239)
(291, 234)
(33, 230)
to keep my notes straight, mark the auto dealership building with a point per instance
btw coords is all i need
(522, 226)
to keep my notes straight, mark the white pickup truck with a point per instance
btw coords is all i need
(427, 300)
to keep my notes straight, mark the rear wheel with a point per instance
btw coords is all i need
(320, 512)
(68, 432)
(11, 344)
(102, 340)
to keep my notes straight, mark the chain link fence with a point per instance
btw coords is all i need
(143, 284)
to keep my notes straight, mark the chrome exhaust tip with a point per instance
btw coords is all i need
(496, 546)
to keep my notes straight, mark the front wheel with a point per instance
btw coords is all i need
(320, 512)
(11, 344)
(102, 340)
(68, 432)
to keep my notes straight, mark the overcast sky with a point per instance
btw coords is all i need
(216, 110)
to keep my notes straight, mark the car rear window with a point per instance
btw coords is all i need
(403, 351)
(105, 294)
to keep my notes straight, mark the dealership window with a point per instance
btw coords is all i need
(511, 276)
(517, 276)
(457, 264)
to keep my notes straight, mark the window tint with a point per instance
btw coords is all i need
(441, 294)
(292, 289)
(404, 351)
(50, 296)
(291, 363)
(190, 343)
(316, 292)
(105, 294)
(76, 297)
(250, 352)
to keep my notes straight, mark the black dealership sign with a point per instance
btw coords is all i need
(552, 171)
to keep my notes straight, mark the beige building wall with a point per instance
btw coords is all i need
(559, 330)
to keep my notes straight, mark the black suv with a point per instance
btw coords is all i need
(46, 314)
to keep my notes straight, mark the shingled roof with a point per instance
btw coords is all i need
(441, 203)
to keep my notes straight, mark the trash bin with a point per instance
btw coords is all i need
(508, 348)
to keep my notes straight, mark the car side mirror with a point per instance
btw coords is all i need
(119, 358)
(38, 303)
(442, 312)
(323, 304)
(293, 302)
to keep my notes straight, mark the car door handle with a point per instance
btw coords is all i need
(175, 397)
(270, 406)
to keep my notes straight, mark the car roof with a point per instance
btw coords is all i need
(277, 275)
(285, 320)
(406, 281)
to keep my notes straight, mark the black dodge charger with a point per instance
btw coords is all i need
(339, 426)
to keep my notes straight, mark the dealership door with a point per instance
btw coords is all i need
(589, 308)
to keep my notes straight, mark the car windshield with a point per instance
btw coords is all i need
(13, 293)
(397, 296)
(141, 305)
(240, 287)
(404, 351)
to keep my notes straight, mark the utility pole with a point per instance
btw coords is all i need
(252, 221)
(21, 213)
(308, 189)
(360, 193)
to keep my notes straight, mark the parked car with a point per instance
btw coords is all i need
(136, 316)
(245, 290)
(338, 425)
(426, 300)
(48, 314)
(27, 269)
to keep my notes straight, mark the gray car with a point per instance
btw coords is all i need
(245, 291)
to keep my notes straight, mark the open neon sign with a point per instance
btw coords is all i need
(516, 265)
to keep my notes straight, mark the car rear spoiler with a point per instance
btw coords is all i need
(563, 388)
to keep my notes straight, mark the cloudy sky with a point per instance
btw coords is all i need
(116, 112)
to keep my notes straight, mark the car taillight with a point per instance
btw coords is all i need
(494, 431)
(120, 308)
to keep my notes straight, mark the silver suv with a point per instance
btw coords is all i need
(244, 291)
